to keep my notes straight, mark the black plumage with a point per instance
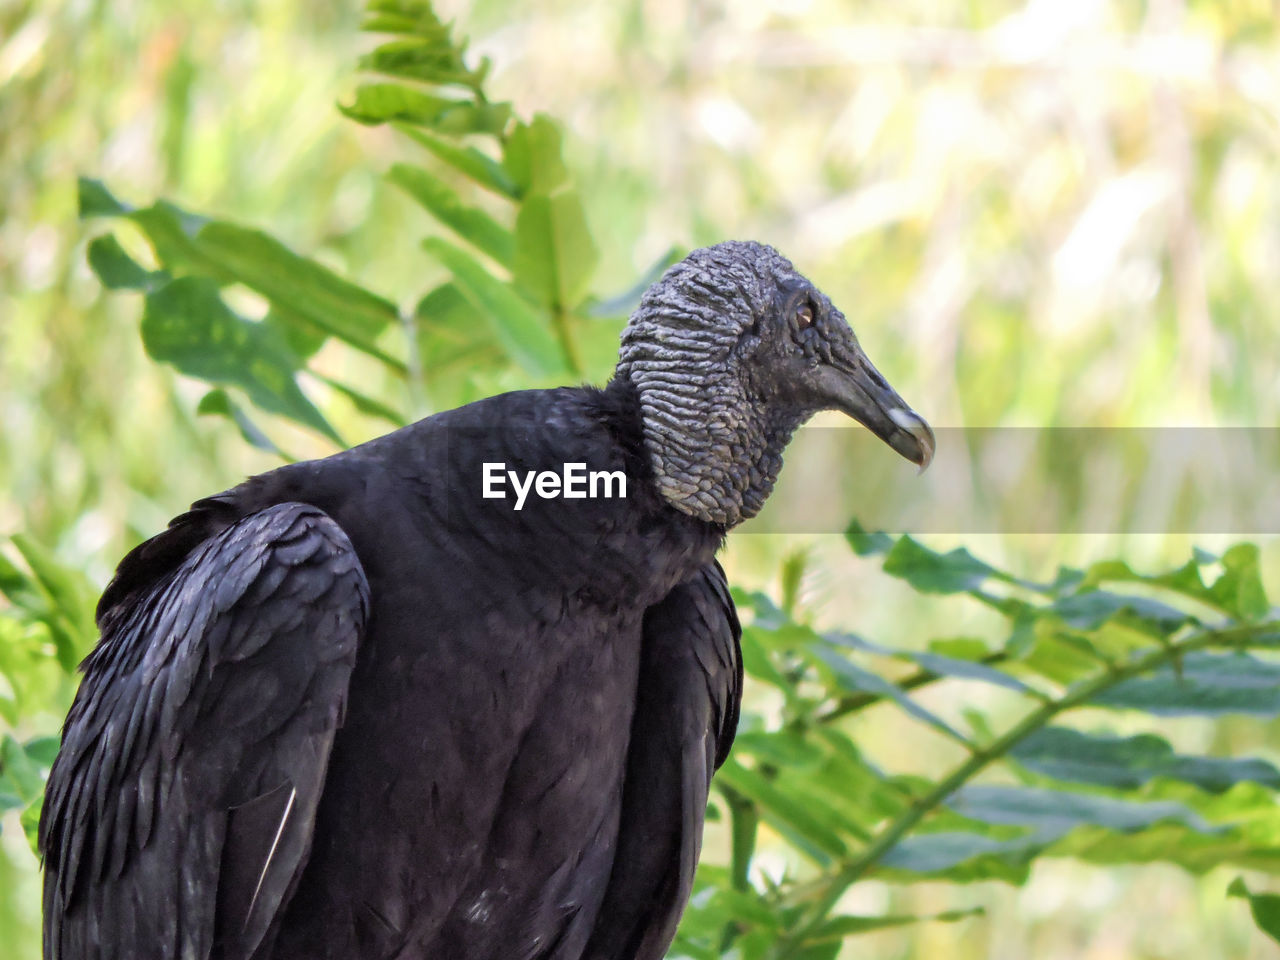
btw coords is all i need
(353, 708)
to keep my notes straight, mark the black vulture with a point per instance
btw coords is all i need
(366, 707)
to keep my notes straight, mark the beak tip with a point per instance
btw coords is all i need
(911, 423)
(926, 448)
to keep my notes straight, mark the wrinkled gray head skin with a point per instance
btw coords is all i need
(730, 352)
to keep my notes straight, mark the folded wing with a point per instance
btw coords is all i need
(689, 690)
(179, 812)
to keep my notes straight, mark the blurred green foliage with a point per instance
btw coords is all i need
(1061, 215)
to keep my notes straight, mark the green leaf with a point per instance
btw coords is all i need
(839, 927)
(791, 815)
(421, 20)
(717, 902)
(172, 233)
(478, 118)
(780, 748)
(522, 333)
(302, 339)
(299, 288)
(17, 587)
(116, 270)
(531, 156)
(219, 403)
(858, 778)
(185, 323)
(971, 649)
(945, 666)
(1064, 656)
(1239, 590)
(1204, 684)
(427, 59)
(1265, 907)
(363, 402)
(377, 103)
(767, 614)
(451, 333)
(481, 168)
(828, 950)
(940, 664)
(30, 822)
(851, 677)
(555, 255)
(1129, 762)
(448, 328)
(42, 750)
(791, 575)
(426, 52)
(624, 303)
(472, 224)
(95, 200)
(67, 610)
(757, 663)
(983, 857)
(865, 544)
(1090, 609)
(929, 572)
(417, 13)
(23, 768)
(20, 779)
(1185, 580)
(1066, 580)
(446, 308)
(1054, 812)
(1171, 842)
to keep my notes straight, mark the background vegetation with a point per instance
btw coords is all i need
(1046, 214)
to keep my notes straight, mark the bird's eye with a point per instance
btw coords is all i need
(804, 315)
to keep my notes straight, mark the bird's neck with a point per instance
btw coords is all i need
(712, 453)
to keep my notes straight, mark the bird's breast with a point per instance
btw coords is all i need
(475, 789)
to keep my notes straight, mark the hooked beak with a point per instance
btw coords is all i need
(856, 388)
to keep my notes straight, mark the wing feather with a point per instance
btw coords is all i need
(216, 689)
(689, 689)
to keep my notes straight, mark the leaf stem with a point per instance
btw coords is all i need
(744, 822)
(560, 321)
(859, 701)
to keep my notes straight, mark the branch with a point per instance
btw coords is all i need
(1078, 695)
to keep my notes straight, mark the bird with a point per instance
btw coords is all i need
(363, 707)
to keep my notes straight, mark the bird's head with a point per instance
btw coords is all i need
(731, 351)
